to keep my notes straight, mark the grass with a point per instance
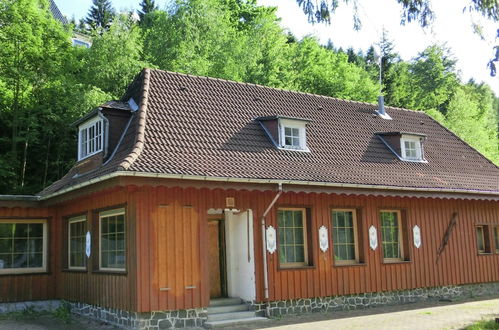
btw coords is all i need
(63, 312)
(483, 325)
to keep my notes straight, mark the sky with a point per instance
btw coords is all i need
(452, 28)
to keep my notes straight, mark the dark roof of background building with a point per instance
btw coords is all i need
(57, 13)
(201, 126)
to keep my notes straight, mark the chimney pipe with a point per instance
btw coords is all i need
(381, 108)
(381, 105)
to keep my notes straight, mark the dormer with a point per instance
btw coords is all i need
(407, 146)
(100, 133)
(287, 133)
(90, 137)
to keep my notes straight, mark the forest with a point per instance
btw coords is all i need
(46, 83)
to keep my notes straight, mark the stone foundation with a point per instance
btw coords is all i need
(197, 317)
(151, 321)
(375, 299)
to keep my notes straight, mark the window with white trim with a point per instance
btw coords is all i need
(23, 246)
(293, 134)
(77, 229)
(410, 147)
(112, 245)
(90, 138)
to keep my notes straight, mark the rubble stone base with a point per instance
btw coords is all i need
(375, 299)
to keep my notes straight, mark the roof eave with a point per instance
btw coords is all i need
(268, 181)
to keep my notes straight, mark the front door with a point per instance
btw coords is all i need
(216, 258)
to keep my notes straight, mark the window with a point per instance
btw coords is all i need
(391, 234)
(91, 137)
(293, 134)
(77, 229)
(496, 238)
(112, 254)
(23, 246)
(292, 235)
(344, 233)
(411, 148)
(482, 239)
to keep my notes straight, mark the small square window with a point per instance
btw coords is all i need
(292, 134)
(411, 148)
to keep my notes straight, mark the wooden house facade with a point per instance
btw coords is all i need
(206, 201)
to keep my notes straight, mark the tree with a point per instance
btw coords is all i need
(321, 71)
(147, 6)
(114, 58)
(100, 15)
(320, 11)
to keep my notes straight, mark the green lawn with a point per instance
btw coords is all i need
(482, 325)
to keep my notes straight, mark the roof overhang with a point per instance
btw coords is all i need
(265, 118)
(494, 195)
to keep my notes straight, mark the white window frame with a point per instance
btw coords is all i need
(106, 214)
(290, 123)
(85, 127)
(419, 148)
(81, 218)
(41, 269)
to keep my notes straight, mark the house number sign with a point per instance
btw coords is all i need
(87, 244)
(373, 237)
(271, 239)
(323, 239)
(416, 231)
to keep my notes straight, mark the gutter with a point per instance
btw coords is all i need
(262, 181)
(264, 251)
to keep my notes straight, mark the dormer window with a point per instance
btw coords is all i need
(411, 147)
(90, 138)
(286, 132)
(405, 145)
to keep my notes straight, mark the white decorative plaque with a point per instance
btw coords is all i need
(373, 237)
(87, 244)
(271, 239)
(323, 239)
(417, 236)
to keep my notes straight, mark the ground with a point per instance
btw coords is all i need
(440, 315)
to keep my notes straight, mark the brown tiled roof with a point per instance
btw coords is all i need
(202, 126)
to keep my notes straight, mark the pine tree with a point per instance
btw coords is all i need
(147, 7)
(100, 15)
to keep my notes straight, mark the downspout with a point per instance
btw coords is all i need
(264, 251)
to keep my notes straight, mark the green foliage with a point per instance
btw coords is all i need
(63, 312)
(46, 84)
(321, 71)
(114, 58)
(484, 325)
(100, 15)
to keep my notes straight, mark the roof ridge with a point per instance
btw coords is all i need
(141, 124)
(281, 89)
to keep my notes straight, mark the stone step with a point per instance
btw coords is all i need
(231, 316)
(227, 309)
(225, 301)
(228, 323)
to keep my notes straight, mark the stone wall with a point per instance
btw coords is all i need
(150, 321)
(36, 306)
(375, 299)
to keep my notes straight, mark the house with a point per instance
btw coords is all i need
(77, 39)
(197, 201)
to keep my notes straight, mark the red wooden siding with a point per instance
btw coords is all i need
(167, 256)
(174, 220)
